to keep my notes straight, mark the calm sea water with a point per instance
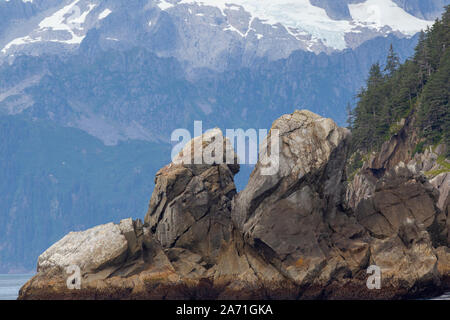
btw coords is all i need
(11, 283)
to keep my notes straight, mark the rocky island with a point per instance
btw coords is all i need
(309, 231)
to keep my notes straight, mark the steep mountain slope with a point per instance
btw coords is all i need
(116, 95)
(122, 75)
(402, 122)
(422, 9)
(414, 94)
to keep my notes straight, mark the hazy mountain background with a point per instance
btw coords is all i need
(90, 91)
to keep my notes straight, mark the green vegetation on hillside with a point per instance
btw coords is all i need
(418, 87)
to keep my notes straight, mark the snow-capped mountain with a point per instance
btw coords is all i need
(311, 24)
(205, 33)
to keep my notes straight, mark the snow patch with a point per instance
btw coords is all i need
(104, 14)
(301, 16)
(69, 19)
(380, 13)
(231, 28)
(82, 18)
(60, 21)
(164, 5)
(20, 41)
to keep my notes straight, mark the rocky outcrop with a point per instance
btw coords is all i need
(400, 149)
(113, 259)
(397, 149)
(91, 250)
(191, 205)
(399, 196)
(406, 227)
(427, 162)
(294, 217)
(397, 199)
(442, 183)
(290, 234)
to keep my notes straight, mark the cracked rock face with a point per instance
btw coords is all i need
(398, 196)
(306, 144)
(293, 216)
(405, 214)
(90, 250)
(442, 183)
(191, 204)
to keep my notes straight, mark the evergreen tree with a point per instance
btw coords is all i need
(350, 115)
(392, 62)
(418, 88)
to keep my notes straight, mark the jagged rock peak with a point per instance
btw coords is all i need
(190, 206)
(293, 215)
(305, 143)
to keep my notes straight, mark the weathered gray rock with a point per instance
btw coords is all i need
(90, 250)
(427, 161)
(306, 144)
(406, 260)
(133, 232)
(361, 187)
(403, 212)
(191, 205)
(397, 149)
(442, 183)
(294, 215)
(398, 196)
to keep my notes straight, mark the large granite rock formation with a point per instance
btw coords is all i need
(296, 231)
(191, 205)
(294, 217)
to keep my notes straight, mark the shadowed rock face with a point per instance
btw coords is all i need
(442, 183)
(403, 211)
(398, 196)
(191, 205)
(294, 216)
(406, 227)
(288, 235)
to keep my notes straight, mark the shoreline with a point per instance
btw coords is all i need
(116, 288)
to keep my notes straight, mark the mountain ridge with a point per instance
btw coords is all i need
(248, 25)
